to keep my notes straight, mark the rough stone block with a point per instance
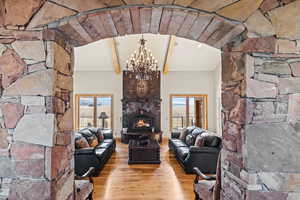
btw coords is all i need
(260, 25)
(7, 168)
(38, 83)
(30, 168)
(295, 68)
(266, 195)
(267, 78)
(35, 109)
(12, 113)
(212, 5)
(64, 82)
(285, 182)
(36, 129)
(287, 46)
(259, 89)
(33, 100)
(289, 85)
(66, 122)
(293, 196)
(19, 13)
(268, 5)
(62, 60)
(36, 67)
(294, 107)
(24, 151)
(258, 45)
(65, 187)
(240, 10)
(30, 51)
(11, 67)
(276, 68)
(81, 5)
(285, 20)
(267, 143)
(49, 13)
(3, 139)
(30, 189)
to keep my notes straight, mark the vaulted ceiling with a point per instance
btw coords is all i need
(184, 54)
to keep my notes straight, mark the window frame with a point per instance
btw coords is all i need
(95, 96)
(205, 96)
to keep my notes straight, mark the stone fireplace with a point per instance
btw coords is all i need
(141, 104)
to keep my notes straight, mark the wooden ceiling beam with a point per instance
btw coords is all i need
(169, 54)
(115, 55)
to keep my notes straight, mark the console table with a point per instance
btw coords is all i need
(126, 136)
(143, 154)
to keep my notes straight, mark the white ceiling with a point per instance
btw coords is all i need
(187, 55)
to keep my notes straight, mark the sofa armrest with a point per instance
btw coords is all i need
(175, 135)
(85, 151)
(195, 149)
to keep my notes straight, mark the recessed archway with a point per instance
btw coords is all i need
(45, 78)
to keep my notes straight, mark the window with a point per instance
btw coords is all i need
(188, 110)
(93, 110)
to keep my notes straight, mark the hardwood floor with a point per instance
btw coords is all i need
(120, 181)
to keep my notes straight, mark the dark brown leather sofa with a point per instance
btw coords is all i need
(94, 156)
(190, 156)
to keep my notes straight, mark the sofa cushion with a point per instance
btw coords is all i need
(212, 141)
(100, 153)
(104, 145)
(80, 141)
(182, 152)
(178, 143)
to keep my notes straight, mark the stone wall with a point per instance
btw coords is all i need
(260, 91)
(36, 148)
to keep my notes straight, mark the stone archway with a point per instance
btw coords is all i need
(260, 96)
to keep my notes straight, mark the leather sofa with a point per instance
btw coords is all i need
(94, 156)
(190, 156)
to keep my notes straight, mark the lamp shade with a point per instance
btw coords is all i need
(103, 115)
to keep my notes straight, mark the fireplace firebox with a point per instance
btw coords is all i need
(141, 123)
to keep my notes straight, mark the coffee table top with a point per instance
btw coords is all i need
(134, 144)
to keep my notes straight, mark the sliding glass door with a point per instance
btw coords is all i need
(188, 110)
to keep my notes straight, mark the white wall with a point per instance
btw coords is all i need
(192, 82)
(217, 89)
(102, 82)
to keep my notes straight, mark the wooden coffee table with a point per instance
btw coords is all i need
(143, 154)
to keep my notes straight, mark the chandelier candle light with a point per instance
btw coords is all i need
(142, 65)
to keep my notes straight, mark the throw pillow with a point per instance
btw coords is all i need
(80, 141)
(190, 140)
(93, 142)
(183, 134)
(199, 142)
(90, 136)
(100, 135)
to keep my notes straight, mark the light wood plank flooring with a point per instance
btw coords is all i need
(120, 181)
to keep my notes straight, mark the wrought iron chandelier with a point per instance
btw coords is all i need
(142, 65)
